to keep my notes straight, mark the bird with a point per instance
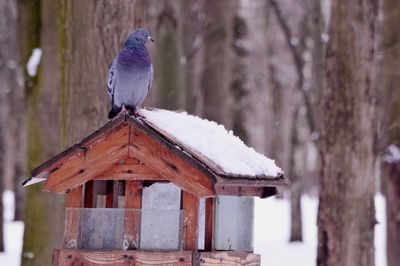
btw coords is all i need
(130, 74)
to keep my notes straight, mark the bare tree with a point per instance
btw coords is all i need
(168, 55)
(390, 133)
(43, 214)
(216, 70)
(346, 214)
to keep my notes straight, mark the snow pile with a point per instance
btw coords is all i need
(393, 154)
(214, 142)
(34, 61)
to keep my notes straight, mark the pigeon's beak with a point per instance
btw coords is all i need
(151, 39)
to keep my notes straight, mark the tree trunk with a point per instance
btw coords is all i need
(168, 56)
(216, 70)
(391, 130)
(44, 212)
(192, 39)
(346, 215)
(91, 35)
(252, 98)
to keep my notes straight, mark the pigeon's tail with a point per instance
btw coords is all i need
(114, 112)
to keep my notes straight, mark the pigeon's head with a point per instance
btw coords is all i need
(138, 38)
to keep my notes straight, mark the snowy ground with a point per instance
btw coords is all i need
(271, 233)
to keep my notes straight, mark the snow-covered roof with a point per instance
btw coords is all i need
(197, 155)
(222, 149)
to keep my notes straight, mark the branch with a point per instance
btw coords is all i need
(298, 61)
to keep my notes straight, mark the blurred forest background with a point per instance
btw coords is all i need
(314, 84)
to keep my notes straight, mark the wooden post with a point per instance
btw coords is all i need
(72, 217)
(112, 194)
(209, 224)
(190, 205)
(90, 195)
(132, 222)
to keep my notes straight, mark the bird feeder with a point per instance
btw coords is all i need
(162, 187)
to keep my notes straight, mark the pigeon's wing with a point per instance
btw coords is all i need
(111, 79)
(150, 77)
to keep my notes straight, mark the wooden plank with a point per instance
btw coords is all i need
(229, 258)
(209, 224)
(228, 190)
(129, 169)
(112, 194)
(55, 258)
(98, 156)
(69, 257)
(190, 205)
(72, 217)
(171, 163)
(132, 221)
(90, 197)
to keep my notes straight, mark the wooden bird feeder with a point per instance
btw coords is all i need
(138, 194)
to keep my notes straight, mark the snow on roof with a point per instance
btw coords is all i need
(214, 142)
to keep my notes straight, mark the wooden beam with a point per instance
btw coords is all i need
(129, 169)
(90, 195)
(209, 224)
(230, 190)
(190, 205)
(229, 258)
(72, 216)
(70, 257)
(96, 157)
(112, 194)
(132, 221)
(173, 164)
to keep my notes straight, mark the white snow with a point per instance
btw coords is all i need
(214, 142)
(272, 229)
(393, 154)
(13, 233)
(272, 217)
(34, 61)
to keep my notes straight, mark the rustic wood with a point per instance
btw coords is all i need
(112, 194)
(90, 197)
(129, 169)
(209, 224)
(99, 154)
(133, 201)
(69, 257)
(55, 258)
(229, 258)
(190, 205)
(72, 217)
(228, 190)
(74, 198)
(170, 162)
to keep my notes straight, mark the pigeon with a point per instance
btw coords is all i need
(130, 74)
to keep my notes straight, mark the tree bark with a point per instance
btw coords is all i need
(193, 44)
(44, 212)
(91, 34)
(216, 70)
(346, 215)
(168, 56)
(390, 119)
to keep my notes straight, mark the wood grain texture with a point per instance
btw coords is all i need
(68, 257)
(129, 169)
(133, 200)
(72, 218)
(90, 195)
(96, 156)
(229, 258)
(209, 224)
(190, 205)
(169, 162)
